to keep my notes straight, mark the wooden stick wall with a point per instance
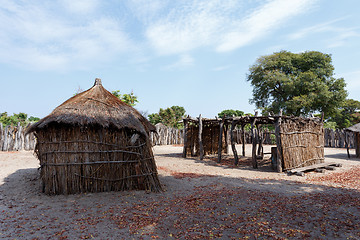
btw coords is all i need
(12, 138)
(295, 146)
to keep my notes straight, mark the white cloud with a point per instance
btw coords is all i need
(323, 27)
(67, 34)
(189, 26)
(262, 21)
(80, 6)
(221, 68)
(221, 24)
(185, 60)
(339, 34)
(36, 37)
(145, 10)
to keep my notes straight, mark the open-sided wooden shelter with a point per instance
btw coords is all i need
(94, 142)
(299, 141)
(201, 137)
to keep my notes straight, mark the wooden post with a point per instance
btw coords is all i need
(5, 143)
(278, 143)
(18, 141)
(201, 147)
(273, 158)
(236, 158)
(185, 137)
(332, 138)
(193, 142)
(1, 136)
(226, 128)
(254, 138)
(347, 144)
(220, 139)
(243, 138)
(357, 145)
(261, 140)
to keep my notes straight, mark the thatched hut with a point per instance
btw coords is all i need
(356, 130)
(94, 142)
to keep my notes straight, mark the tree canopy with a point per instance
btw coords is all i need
(130, 98)
(230, 113)
(347, 115)
(299, 84)
(16, 118)
(170, 116)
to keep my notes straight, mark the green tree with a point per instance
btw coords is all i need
(296, 83)
(230, 113)
(348, 114)
(16, 118)
(171, 116)
(33, 119)
(130, 99)
(330, 124)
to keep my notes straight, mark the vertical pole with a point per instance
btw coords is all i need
(278, 143)
(6, 143)
(347, 144)
(220, 139)
(357, 145)
(254, 139)
(185, 137)
(226, 128)
(201, 147)
(1, 136)
(243, 138)
(260, 138)
(192, 141)
(236, 158)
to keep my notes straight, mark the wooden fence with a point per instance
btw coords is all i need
(332, 138)
(269, 137)
(336, 138)
(12, 138)
(167, 135)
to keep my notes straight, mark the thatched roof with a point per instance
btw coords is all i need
(96, 106)
(354, 128)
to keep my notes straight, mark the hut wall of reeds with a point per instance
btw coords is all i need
(94, 142)
(302, 142)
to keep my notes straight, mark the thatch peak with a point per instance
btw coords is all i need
(96, 106)
(97, 82)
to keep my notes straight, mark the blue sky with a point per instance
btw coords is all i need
(194, 54)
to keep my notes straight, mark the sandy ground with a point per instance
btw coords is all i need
(202, 200)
